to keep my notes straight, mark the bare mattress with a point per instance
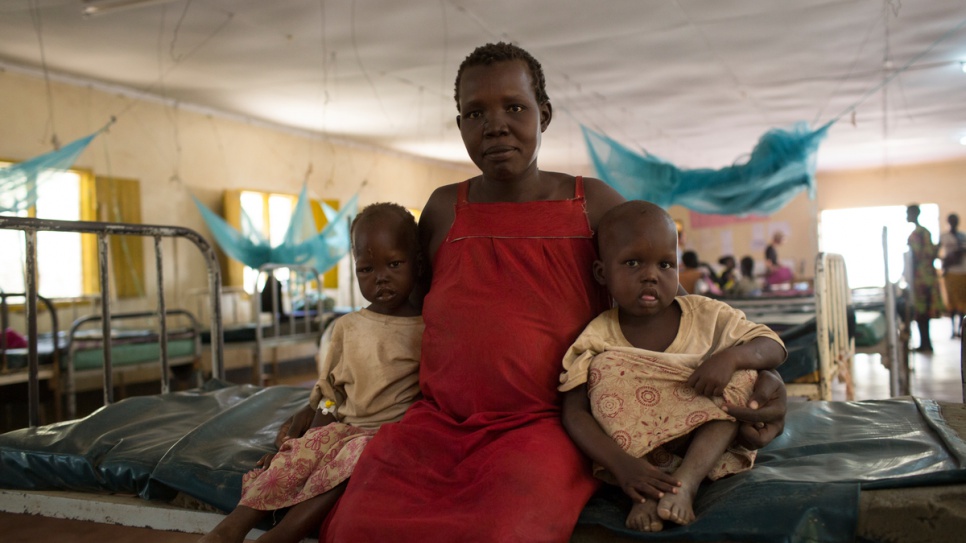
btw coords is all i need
(878, 470)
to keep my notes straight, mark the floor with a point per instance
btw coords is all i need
(937, 376)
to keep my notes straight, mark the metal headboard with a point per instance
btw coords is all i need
(103, 230)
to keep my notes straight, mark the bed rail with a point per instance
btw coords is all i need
(10, 375)
(300, 328)
(829, 304)
(103, 231)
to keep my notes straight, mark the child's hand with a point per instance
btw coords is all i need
(640, 480)
(264, 461)
(295, 426)
(711, 377)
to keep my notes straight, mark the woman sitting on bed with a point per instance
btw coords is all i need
(370, 376)
(483, 456)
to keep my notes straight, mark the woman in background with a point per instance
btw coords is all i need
(927, 302)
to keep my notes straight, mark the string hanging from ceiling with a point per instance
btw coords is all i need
(781, 165)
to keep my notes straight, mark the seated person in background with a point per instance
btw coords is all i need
(746, 285)
(647, 383)
(370, 376)
(697, 277)
(729, 275)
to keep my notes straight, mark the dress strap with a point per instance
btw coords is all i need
(579, 187)
(462, 193)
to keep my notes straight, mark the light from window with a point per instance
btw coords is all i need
(856, 234)
(58, 253)
(270, 215)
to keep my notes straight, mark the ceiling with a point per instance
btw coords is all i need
(695, 82)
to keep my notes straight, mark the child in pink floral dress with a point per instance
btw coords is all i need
(369, 377)
(647, 383)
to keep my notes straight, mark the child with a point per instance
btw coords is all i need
(370, 376)
(656, 370)
(747, 285)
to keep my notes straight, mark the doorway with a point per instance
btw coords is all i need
(856, 234)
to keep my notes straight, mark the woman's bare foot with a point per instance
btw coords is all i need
(644, 518)
(678, 507)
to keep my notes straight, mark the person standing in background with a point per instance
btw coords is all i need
(927, 302)
(771, 252)
(953, 245)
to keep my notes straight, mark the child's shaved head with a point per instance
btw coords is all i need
(658, 222)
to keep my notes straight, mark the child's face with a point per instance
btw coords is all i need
(500, 120)
(638, 265)
(385, 264)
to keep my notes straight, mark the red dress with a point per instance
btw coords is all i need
(484, 456)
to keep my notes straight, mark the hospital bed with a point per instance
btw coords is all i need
(284, 317)
(13, 358)
(111, 348)
(815, 327)
(71, 361)
(842, 471)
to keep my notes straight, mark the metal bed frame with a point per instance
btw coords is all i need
(103, 231)
(279, 329)
(829, 304)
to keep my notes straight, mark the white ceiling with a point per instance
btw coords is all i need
(693, 81)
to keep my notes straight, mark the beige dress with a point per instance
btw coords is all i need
(641, 398)
(371, 372)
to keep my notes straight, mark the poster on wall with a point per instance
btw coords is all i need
(702, 220)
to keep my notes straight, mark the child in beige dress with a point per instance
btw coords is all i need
(648, 382)
(369, 377)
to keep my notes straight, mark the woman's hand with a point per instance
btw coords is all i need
(295, 426)
(764, 418)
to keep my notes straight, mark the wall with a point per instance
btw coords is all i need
(940, 183)
(176, 152)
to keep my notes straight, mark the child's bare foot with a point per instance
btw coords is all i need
(643, 517)
(678, 507)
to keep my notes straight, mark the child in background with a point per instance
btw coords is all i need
(747, 286)
(646, 383)
(370, 376)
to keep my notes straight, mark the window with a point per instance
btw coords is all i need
(270, 214)
(67, 262)
(856, 234)
(59, 255)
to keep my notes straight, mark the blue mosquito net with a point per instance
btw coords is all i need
(302, 244)
(780, 166)
(19, 182)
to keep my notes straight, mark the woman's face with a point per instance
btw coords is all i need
(385, 264)
(500, 120)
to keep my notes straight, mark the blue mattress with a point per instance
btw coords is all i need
(200, 442)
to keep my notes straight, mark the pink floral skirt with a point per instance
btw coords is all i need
(305, 467)
(646, 406)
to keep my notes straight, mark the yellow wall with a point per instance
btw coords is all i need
(175, 152)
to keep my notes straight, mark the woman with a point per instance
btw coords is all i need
(927, 302)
